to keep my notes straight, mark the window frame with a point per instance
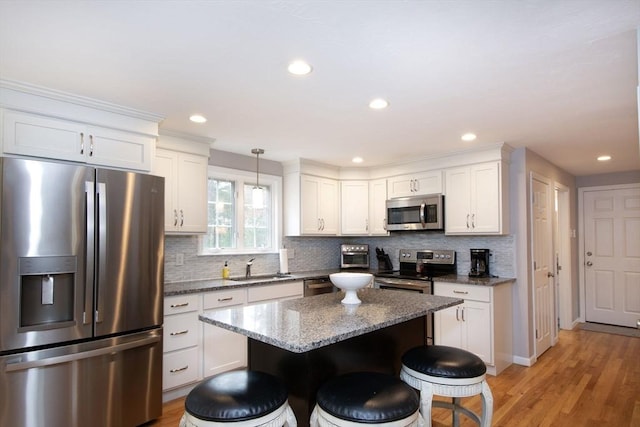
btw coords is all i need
(241, 178)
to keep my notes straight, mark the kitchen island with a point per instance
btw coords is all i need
(305, 341)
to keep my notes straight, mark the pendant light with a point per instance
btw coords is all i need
(257, 194)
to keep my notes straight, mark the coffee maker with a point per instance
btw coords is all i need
(479, 263)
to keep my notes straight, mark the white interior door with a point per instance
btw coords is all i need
(542, 263)
(612, 256)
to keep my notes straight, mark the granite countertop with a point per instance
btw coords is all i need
(209, 285)
(304, 324)
(479, 281)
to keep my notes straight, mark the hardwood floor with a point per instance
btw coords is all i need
(587, 379)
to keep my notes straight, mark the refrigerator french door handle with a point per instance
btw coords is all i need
(101, 195)
(87, 315)
(66, 358)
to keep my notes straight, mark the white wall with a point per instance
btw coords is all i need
(523, 163)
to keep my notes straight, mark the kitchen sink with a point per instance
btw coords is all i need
(261, 278)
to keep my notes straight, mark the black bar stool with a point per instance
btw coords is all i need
(359, 398)
(238, 399)
(451, 372)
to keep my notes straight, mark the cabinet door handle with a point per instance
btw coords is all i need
(225, 299)
(82, 143)
(175, 217)
(473, 221)
(416, 185)
(182, 304)
(457, 314)
(463, 314)
(468, 221)
(460, 292)
(90, 145)
(181, 217)
(184, 368)
(186, 331)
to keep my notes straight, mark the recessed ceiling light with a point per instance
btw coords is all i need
(379, 104)
(357, 160)
(299, 68)
(197, 118)
(468, 136)
(604, 158)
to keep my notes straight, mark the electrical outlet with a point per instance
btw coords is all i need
(180, 259)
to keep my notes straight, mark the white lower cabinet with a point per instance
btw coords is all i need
(181, 341)
(481, 324)
(281, 291)
(194, 350)
(223, 350)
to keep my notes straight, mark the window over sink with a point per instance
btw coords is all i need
(239, 222)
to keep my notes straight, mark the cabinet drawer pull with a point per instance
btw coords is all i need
(186, 331)
(182, 304)
(460, 292)
(184, 368)
(225, 299)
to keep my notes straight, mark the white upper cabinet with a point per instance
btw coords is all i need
(354, 207)
(476, 201)
(363, 207)
(318, 205)
(41, 122)
(417, 184)
(41, 136)
(185, 189)
(377, 207)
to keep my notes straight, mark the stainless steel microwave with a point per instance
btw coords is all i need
(416, 213)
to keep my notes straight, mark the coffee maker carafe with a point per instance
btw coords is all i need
(479, 263)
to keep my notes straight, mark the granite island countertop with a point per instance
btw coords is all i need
(304, 324)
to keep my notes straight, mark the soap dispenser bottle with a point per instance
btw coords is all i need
(225, 270)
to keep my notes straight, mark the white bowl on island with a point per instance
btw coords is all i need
(350, 283)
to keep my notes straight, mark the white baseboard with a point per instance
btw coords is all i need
(524, 361)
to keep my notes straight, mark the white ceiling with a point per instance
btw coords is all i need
(558, 77)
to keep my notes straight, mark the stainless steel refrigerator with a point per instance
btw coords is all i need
(81, 290)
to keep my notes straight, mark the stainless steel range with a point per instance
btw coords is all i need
(418, 267)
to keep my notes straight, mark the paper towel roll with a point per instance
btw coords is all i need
(284, 261)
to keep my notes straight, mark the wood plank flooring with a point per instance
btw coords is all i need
(587, 379)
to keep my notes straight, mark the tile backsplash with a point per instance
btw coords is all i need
(317, 253)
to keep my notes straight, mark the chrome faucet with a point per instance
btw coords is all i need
(248, 273)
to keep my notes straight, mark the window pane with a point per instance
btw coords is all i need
(221, 214)
(257, 217)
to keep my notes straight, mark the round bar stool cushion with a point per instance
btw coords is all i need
(443, 361)
(450, 372)
(238, 397)
(366, 397)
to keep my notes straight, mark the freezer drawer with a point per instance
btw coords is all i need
(105, 383)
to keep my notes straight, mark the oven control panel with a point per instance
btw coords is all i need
(428, 256)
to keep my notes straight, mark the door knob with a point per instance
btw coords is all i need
(589, 263)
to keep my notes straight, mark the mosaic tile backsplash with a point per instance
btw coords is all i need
(318, 253)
